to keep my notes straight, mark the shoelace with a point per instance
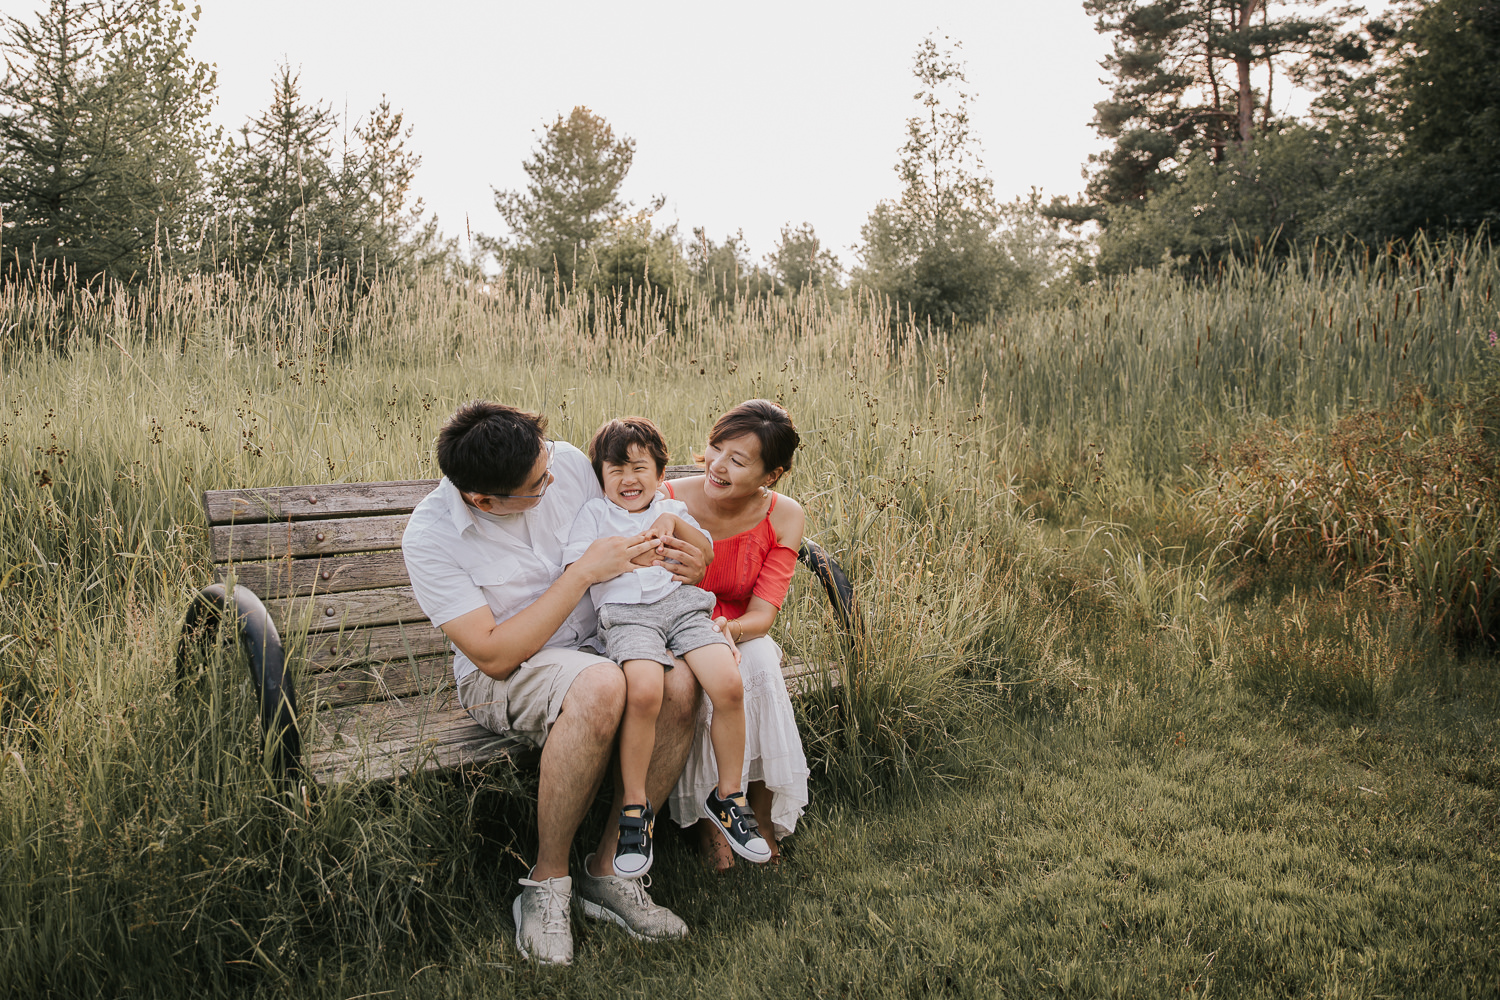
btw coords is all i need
(554, 906)
(637, 888)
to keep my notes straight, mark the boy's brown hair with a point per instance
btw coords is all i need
(612, 443)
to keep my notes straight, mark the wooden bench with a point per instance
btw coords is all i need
(322, 566)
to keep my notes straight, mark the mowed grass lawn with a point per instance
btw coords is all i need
(1266, 851)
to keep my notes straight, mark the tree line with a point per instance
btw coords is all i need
(111, 170)
(1401, 135)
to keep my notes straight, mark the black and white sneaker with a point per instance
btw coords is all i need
(633, 854)
(737, 823)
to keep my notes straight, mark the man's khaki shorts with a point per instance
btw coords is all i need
(527, 703)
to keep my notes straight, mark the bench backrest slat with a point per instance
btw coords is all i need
(305, 503)
(377, 644)
(376, 681)
(278, 578)
(330, 612)
(297, 503)
(295, 539)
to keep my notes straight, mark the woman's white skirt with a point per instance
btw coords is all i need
(773, 748)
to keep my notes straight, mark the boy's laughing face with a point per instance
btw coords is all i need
(633, 484)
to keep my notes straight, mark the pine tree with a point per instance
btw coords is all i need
(1185, 81)
(274, 183)
(103, 124)
(571, 198)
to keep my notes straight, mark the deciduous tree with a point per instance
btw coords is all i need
(934, 249)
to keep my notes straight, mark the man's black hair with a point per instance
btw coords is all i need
(490, 447)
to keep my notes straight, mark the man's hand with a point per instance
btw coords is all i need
(685, 560)
(607, 558)
(497, 648)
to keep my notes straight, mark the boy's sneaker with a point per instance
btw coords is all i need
(737, 823)
(633, 854)
(541, 915)
(624, 901)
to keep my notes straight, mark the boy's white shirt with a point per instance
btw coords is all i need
(601, 518)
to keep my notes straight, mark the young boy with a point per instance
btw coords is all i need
(645, 617)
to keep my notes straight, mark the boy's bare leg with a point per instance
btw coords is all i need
(574, 760)
(724, 687)
(674, 735)
(643, 697)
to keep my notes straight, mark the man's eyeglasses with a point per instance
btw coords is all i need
(547, 480)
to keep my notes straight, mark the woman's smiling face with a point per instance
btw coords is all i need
(734, 468)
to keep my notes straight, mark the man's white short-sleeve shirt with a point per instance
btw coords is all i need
(601, 518)
(459, 560)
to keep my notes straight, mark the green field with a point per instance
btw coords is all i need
(1177, 675)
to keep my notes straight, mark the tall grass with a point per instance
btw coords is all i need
(145, 849)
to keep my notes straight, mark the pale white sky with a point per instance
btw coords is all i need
(744, 117)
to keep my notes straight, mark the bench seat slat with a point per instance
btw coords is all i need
(329, 612)
(280, 578)
(475, 748)
(381, 740)
(386, 739)
(283, 539)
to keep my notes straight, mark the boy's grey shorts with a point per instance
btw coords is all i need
(678, 623)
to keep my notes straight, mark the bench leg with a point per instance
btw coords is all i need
(262, 645)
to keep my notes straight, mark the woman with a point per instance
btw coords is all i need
(756, 534)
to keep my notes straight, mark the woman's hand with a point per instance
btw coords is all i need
(721, 624)
(684, 560)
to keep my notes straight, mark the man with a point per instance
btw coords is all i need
(484, 552)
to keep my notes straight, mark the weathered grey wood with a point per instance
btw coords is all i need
(387, 739)
(327, 612)
(332, 650)
(383, 740)
(376, 681)
(282, 578)
(294, 539)
(296, 503)
(802, 676)
(293, 503)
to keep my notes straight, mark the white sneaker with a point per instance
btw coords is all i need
(541, 914)
(624, 901)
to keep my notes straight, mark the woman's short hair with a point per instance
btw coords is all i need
(611, 443)
(490, 447)
(770, 423)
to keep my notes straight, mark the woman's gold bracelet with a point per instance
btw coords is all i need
(741, 629)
